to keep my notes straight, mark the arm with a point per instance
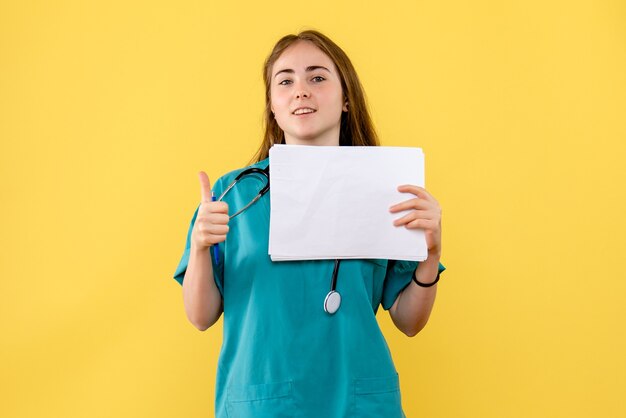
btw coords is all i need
(412, 308)
(202, 298)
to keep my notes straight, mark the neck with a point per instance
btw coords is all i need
(330, 138)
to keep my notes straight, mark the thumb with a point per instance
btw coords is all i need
(205, 187)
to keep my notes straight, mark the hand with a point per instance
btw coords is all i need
(425, 214)
(211, 224)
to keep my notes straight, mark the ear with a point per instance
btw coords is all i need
(345, 106)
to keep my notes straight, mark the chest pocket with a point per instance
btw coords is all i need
(377, 397)
(267, 400)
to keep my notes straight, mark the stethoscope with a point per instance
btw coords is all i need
(332, 302)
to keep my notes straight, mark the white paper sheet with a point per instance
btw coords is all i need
(333, 202)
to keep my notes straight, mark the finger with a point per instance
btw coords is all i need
(218, 218)
(204, 226)
(205, 187)
(219, 238)
(416, 214)
(416, 190)
(218, 229)
(427, 224)
(220, 207)
(214, 207)
(415, 203)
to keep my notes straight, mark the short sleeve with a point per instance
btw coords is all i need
(218, 267)
(399, 275)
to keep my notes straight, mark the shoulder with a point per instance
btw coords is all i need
(229, 177)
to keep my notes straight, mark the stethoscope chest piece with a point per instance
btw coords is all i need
(332, 302)
(333, 298)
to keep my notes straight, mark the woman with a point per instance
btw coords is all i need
(282, 355)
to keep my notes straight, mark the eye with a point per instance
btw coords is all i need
(282, 83)
(319, 77)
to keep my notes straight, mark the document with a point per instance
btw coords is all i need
(332, 202)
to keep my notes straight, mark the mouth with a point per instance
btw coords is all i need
(301, 111)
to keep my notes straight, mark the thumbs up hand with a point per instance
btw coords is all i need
(211, 224)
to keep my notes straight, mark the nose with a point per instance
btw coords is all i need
(302, 91)
(301, 94)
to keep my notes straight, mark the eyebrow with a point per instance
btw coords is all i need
(308, 69)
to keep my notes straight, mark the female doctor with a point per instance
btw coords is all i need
(284, 352)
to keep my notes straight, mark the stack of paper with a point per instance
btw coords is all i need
(333, 202)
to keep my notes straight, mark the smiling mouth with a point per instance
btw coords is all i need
(304, 111)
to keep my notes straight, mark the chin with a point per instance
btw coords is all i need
(305, 137)
(308, 136)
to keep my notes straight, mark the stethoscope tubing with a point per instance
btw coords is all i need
(264, 172)
(333, 298)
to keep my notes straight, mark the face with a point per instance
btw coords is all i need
(305, 78)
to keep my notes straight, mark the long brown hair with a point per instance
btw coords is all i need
(356, 124)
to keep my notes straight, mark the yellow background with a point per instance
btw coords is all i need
(109, 109)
